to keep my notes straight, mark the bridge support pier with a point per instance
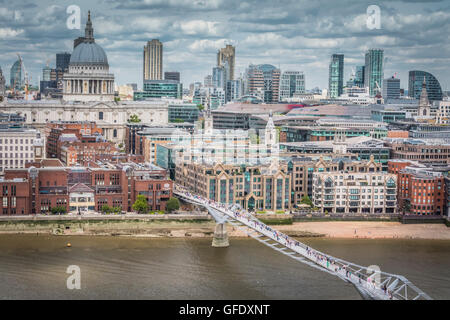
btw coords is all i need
(220, 239)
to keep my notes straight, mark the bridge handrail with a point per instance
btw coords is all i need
(343, 269)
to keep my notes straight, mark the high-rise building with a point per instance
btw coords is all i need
(153, 60)
(172, 75)
(226, 58)
(336, 76)
(2, 83)
(16, 75)
(62, 61)
(46, 73)
(233, 90)
(359, 77)
(391, 88)
(292, 82)
(271, 80)
(433, 86)
(374, 74)
(208, 82)
(218, 77)
(254, 82)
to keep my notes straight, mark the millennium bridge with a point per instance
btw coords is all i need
(370, 282)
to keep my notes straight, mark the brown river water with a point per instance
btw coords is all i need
(34, 267)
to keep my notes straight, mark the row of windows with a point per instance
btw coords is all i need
(16, 148)
(15, 141)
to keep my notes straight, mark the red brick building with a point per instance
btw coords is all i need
(38, 190)
(55, 129)
(421, 189)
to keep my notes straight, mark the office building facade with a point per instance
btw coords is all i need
(291, 83)
(416, 79)
(226, 58)
(336, 76)
(172, 75)
(160, 89)
(153, 60)
(374, 72)
(391, 88)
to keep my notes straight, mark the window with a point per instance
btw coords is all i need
(100, 115)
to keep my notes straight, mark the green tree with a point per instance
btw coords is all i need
(200, 107)
(106, 209)
(306, 200)
(134, 119)
(59, 210)
(141, 205)
(172, 205)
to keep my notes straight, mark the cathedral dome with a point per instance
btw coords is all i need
(88, 53)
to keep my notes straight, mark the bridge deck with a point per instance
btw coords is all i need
(370, 282)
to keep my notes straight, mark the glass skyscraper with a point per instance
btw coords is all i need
(433, 86)
(16, 78)
(336, 76)
(374, 73)
(391, 88)
(62, 61)
(292, 82)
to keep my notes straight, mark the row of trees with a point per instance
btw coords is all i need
(141, 204)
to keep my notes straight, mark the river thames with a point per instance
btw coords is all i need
(34, 267)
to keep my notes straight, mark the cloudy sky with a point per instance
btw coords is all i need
(291, 34)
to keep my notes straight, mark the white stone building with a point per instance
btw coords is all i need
(19, 146)
(357, 193)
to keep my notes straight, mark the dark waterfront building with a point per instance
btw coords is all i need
(433, 86)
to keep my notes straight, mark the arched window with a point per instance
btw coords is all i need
(115, 133)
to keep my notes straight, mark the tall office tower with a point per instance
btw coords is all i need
(16, 75)
(336, 76)
(391, 88)
(359, 76)
(254, 82)
(233, 90)
(292, 82)
(218, 77)
(433, 86)
(271, 78)
(2, 83)
(62, 61)
(172, 75)
(207, 82)
(374, 74)
(153, 60)
(46, 73)
(226, 58)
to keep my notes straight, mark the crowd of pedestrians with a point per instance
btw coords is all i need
(321, 259)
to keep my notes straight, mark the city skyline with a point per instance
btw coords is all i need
(192, 33)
